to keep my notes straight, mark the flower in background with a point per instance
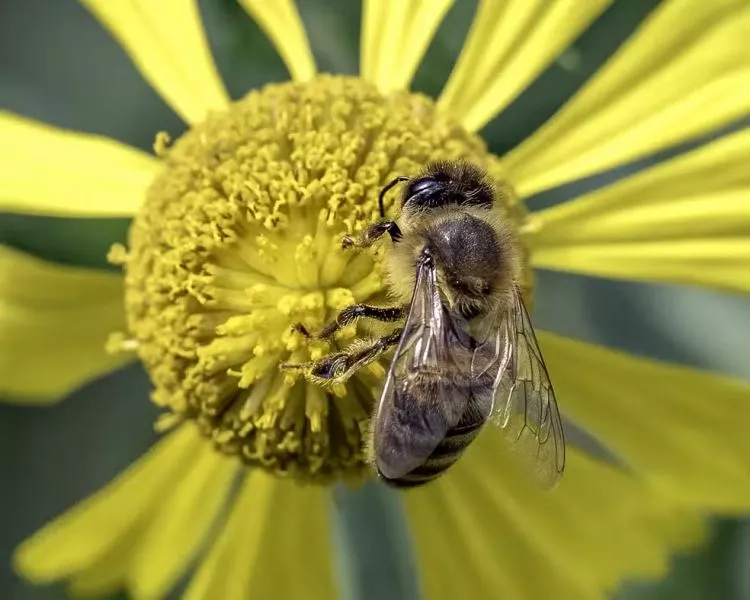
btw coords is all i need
(234, 238)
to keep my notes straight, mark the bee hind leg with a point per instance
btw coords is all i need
(340, 366)
(352, 313)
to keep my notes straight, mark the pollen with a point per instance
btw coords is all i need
(239, 238)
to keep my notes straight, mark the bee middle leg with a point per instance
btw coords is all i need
(350, 314)
(340, 366)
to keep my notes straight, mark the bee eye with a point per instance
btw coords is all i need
(418, 187)
(421, 185)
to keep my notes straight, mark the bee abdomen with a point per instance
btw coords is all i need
(444, 456)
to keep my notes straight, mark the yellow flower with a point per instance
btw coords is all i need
(235, 238)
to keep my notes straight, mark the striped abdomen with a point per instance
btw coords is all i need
(445, 455)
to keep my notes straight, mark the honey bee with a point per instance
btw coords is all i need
(465, 353)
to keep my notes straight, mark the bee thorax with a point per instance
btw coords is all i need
(471, 258)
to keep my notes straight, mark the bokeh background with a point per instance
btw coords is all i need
(58, 65)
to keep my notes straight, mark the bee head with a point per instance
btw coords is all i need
(443, 183)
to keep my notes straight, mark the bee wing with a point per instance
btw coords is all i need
(523, 401)
(421, 401)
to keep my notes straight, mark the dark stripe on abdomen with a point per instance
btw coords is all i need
(442, 458)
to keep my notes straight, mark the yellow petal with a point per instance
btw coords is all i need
(684, 73)
(281, 22)
(166, 42)
(227, 570)
(105, 575)
(684, 221)
(150, 557)
(683, 430)
(51, 171)
(180, 525)
(510, 42)
(273, 545)
(54, 323)
(395, 36)
(296, 539)
(85, 536)
(510, 539)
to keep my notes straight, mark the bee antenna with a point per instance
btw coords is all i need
(399, 179)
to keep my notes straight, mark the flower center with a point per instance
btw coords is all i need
(240, 237)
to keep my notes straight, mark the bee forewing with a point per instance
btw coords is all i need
(524, 404)
(419, 403)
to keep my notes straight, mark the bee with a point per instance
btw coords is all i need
(465, 351)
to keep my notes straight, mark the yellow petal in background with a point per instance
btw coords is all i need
(85, 539)
(273, 545)
(50, 171)
(281, 22)
(166, 42)
(511, 539)
(683, 430)
(509, 44)
(180, 525)
(54, 323)
(296, 539)
(684, 221)
(154, 552)
(105, 574)
(395, 36)
(227, 570)
(683, 74)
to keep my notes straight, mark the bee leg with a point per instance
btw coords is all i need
(373, 234)
(350, 314)
(364, 352)
(340, 366)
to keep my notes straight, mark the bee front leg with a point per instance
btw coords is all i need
(350, 314)
(340, 366)
(373, 234)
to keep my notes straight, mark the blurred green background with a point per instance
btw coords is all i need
(58, 65)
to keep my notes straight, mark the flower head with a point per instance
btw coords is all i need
(239, 238)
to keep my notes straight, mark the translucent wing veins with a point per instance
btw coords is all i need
(524, 404)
